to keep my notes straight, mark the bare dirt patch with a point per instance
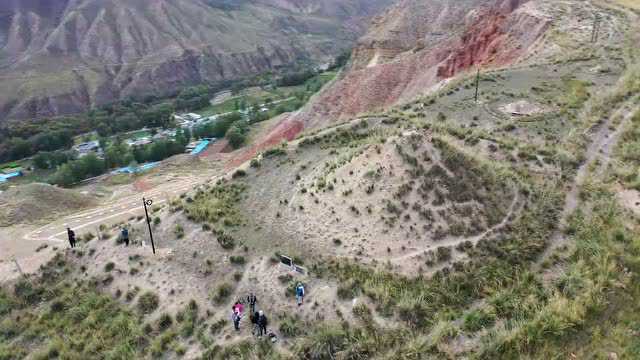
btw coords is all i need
(36, 202)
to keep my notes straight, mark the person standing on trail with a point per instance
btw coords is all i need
(254, 316)
(299, 294)
(124, 235)
(238, 307)
(72, 237)
(251, 299)
(235, 317)
(262, 323)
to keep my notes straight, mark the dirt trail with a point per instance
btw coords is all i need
(513, 209)
(604, 139)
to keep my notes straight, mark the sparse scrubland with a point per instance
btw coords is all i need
(441, 228)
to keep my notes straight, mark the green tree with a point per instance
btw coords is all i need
(236, 136)
(41, 160)
(117, 154)
(19, 149)
(64, 176)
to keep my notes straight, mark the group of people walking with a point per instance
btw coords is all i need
(258, 319)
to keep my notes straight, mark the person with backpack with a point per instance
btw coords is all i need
(262, 324)
(299, 294)
(238, 307)
(235, 317)
(251, 299)
(254, 316)
(124, 236)
(72, 237)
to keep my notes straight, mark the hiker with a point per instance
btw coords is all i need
(299, 294)
(72, 237)
(124, 235)
(254, 316)
(238, 307)
(251, 299)
(262, 323)
(235, 317)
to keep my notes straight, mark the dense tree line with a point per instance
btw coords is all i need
(16, 148)
(51, 160)
(218, 128)
(295, 78)
(194, 98)
(128, 116)
(19, 140)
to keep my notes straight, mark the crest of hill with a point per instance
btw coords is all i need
(34, 202)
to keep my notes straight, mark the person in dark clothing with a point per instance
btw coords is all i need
(72, 237)
(254, 321)
(262, 324)
(236, 320)
(124, 234)
(251, 299)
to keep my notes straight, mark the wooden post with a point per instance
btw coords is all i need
(477, 84)
(145, 203)
(18, 267)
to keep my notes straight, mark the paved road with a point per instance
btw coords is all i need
(120, 210)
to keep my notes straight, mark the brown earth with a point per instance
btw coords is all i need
(416, 46)
(36, 202)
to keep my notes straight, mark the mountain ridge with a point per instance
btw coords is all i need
(68, 55)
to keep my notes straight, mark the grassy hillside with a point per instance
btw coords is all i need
(444, 228)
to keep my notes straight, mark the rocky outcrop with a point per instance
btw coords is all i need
(62, 56)
(416, 45)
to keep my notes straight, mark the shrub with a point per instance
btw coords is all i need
(277, 151)
(348, 290)
(6, 303)
(443, 254)
(478, 319)
(222, 293)
(237, 260)
(291, 326)
(226, 241)
(27, 293)
(109, 266)
(238, 174)
(131, 293)
(217, 326)
(148, 302)
(164, 322)
(285, 279)
(362, 312)
(179, 231)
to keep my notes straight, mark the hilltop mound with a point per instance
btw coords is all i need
(33, 202)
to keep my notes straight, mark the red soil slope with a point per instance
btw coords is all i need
(388, 71)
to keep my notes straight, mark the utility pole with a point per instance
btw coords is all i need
(146, 203)
(477, 84)
(18, 267)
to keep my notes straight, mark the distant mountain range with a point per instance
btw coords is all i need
(63, 56)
